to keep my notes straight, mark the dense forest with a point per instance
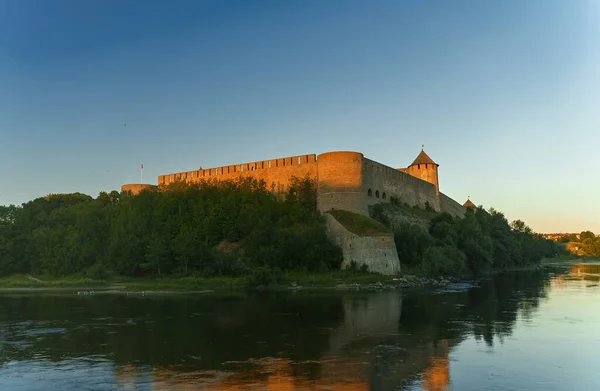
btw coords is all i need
(234, 228)
(208, 229)
(480, 242)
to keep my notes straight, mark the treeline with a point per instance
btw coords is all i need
(236, 228)
(587, 244)
(207, 229)
(480, 242)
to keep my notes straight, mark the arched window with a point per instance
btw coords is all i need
(376, 193)
(370, 193)
(383, 195)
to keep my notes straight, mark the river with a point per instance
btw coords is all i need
(533, 330)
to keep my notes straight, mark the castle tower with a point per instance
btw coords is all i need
(425, 168)
(469, 204)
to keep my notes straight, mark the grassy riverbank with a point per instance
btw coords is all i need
(340, 279)
(332, 279)
(182, 284)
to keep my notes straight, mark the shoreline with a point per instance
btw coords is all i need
(154, 288)
(405, 282)
(333, 281)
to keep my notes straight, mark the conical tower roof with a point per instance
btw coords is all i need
(469, 204)
(423, 158)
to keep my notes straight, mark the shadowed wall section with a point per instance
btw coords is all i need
(378, 252)
(450, 206)
(382, 182)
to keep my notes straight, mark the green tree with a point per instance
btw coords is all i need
(586, 235)
(158, 255)
(520, 226)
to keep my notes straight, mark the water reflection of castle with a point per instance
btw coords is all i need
(366, 352)
(585, 273)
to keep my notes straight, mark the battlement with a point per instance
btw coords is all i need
(236, 170)
(345, 180)
(339, 172)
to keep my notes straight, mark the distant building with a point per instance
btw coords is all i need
(558, 236)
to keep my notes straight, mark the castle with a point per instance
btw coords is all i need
(345, 181)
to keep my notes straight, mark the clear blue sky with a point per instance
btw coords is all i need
(505, 95)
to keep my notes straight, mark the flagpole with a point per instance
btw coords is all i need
(141, 173)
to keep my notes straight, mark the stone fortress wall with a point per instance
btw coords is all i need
(378, 252)
(345, 180)
(349, 181)
(276, 173)
(382, 182)
(450, 206)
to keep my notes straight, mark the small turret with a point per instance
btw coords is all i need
(425, 168)
(469, 204)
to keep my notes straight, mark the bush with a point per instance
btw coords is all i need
(377, 213)
(265, 276)
(411, 242)
(225, 265)
(444, 261)
(352, 266)
(96, 272)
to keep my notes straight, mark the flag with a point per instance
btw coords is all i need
(142, 166)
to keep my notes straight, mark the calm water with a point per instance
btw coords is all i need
(522, 331)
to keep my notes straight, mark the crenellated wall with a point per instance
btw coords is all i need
(345, 180)
(276, 173)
